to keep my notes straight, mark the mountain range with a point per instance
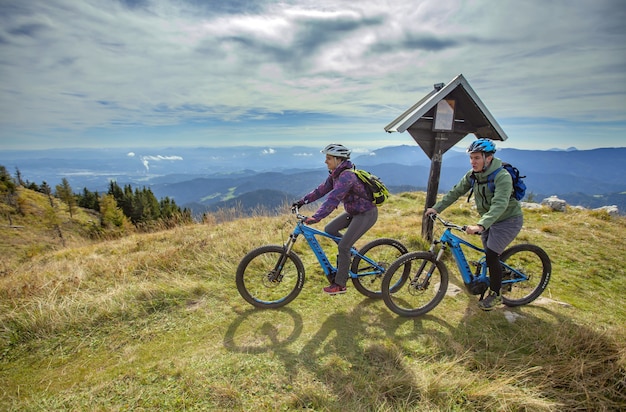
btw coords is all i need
(206, 179)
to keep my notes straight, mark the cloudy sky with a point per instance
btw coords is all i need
(162, 73)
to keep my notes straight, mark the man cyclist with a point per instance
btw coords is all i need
(500, 213)
(360, 211)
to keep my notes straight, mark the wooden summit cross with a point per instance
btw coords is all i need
(439, 121)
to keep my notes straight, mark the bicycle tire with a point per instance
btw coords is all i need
(408, 299)
(535, 263)
(256, 275)
(383, 251)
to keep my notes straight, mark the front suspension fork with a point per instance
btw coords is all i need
(425, 283)
(276, 275)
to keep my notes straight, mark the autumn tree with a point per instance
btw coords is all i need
(111, 216)
(64, 192)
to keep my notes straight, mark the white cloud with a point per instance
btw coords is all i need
(177, 72)
(145, 160)
(159, 158)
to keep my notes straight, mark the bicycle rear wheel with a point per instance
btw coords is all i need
(369, 279)
(529, 277)
(262, 283)
(414, 284)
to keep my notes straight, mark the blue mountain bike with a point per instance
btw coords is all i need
(416, 282)
(271, 276)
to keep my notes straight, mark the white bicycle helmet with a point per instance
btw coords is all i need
(337, 150)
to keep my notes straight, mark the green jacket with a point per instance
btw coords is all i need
(492, 207)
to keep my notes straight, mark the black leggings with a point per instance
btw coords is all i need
(495, 270)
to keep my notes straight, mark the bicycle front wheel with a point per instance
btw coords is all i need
(269, 278)
(414, 284)
(369, 278)
(525, 274)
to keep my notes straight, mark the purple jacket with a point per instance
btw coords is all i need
(341, 187)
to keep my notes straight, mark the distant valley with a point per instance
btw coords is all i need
(206, 179)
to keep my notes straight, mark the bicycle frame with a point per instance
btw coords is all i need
(271, 276)
(417, 282)
(310, 234)
(456, 244)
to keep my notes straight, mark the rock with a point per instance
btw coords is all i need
(453, 290)
(555, 203)
(511, 316)
(612, 210)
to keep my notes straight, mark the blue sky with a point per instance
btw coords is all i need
(164, 73)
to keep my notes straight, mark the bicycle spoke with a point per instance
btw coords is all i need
(263, 283)
(526, 273)
(415, 284)
(369, 277)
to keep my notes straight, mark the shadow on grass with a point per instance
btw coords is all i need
(367, 355)
(350, 354)
(262, 332)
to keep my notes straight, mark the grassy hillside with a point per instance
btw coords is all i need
(42, 227)
(154, 322)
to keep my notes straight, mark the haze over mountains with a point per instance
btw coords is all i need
(209, 178)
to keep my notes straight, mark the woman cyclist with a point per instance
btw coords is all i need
(360, 211)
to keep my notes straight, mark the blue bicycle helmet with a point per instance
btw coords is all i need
(482, 145)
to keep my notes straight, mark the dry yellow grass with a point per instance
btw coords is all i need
(154, 321)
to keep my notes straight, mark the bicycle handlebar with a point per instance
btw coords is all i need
(296, 211)
(448, 224)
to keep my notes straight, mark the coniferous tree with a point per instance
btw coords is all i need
(111, 215)
(142, 207)
(46, 190)
(64, 192)
(18, 177)
(8, 194)
(115, 190)
(154, 209)
(32, 186)
(126, 202)
(88, 199)
(7, 184)
(168, 208)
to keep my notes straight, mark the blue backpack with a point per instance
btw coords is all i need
(519, 187)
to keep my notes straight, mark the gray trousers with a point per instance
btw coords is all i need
(357, 226)
(495, 240)
(501, 234)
